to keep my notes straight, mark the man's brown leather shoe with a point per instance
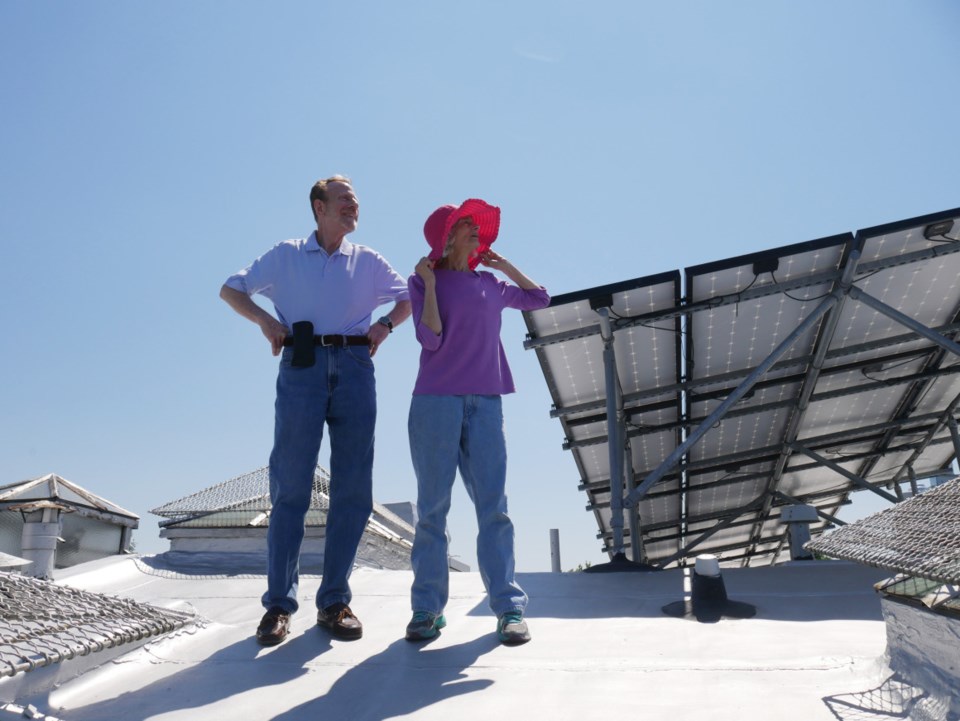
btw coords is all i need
(274, 627)
(340, 621)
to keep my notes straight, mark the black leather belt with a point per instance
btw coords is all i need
(337, 341)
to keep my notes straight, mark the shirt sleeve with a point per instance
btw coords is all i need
(258, 277)
(428, 339)
(521, 299)
(390, 284)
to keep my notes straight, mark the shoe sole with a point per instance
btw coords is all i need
(270, 640)
(439, 623)
(343, 635)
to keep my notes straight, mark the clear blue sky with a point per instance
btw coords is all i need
(148, 150)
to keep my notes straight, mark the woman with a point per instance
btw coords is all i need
(456, 419)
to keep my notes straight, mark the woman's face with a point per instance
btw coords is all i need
(465, 236)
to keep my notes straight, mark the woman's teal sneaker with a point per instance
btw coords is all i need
(424, 625)
(512, 629)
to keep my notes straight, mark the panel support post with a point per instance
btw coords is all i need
(615, 430)
(636, 545)
(954, 434)
(913, 481)
(898, 490)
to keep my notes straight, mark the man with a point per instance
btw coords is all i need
(326, 377)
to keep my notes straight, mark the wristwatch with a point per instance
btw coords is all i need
(385, 320)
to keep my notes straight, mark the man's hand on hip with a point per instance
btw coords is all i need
(377, 334)
(274, 331)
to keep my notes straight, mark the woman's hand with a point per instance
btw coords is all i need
(425, 270)
(430, 317)
(491, 259)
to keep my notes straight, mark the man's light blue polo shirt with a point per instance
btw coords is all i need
(337, 293)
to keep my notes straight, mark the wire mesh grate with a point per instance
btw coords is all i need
(239, 500)
(42, 623)
(919, 537)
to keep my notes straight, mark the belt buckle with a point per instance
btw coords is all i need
(332, 342)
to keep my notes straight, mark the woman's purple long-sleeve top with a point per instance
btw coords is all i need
(467, 357)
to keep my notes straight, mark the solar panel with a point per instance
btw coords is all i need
(795, 375)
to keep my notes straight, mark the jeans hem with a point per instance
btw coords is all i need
(334, 602)
(285, 607)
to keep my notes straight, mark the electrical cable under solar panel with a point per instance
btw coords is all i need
(870, 275)
(651, 326)
(801, 300)
(892, 381)
(756, 277)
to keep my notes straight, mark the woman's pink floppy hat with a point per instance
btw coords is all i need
(441, 221)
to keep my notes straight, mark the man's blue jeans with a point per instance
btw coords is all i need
(465, 432)
(338, 390)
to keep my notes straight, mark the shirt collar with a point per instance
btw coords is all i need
(346, 247)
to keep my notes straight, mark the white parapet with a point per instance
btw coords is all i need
(923, 646)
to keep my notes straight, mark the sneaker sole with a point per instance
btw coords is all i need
(513, 640)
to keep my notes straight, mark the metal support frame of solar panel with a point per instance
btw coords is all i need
(878, 264)
(646, 356)
(833, 368)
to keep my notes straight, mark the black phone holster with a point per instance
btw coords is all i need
(304, 350)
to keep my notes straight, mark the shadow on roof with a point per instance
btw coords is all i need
(399, 680)
(407, 678)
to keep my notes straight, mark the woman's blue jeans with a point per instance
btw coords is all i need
(465, 432)
(339, 391)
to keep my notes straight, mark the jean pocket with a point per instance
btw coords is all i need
(360, 354)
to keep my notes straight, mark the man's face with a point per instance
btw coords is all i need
(341, 209)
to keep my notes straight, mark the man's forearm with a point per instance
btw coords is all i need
(400, 312)
(272, 329)
(244, 305)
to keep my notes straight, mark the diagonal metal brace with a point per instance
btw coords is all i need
(902, 319)
(843, 472)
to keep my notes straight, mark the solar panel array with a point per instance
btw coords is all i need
(856, 398)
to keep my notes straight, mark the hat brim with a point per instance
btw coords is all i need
(487, 219)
